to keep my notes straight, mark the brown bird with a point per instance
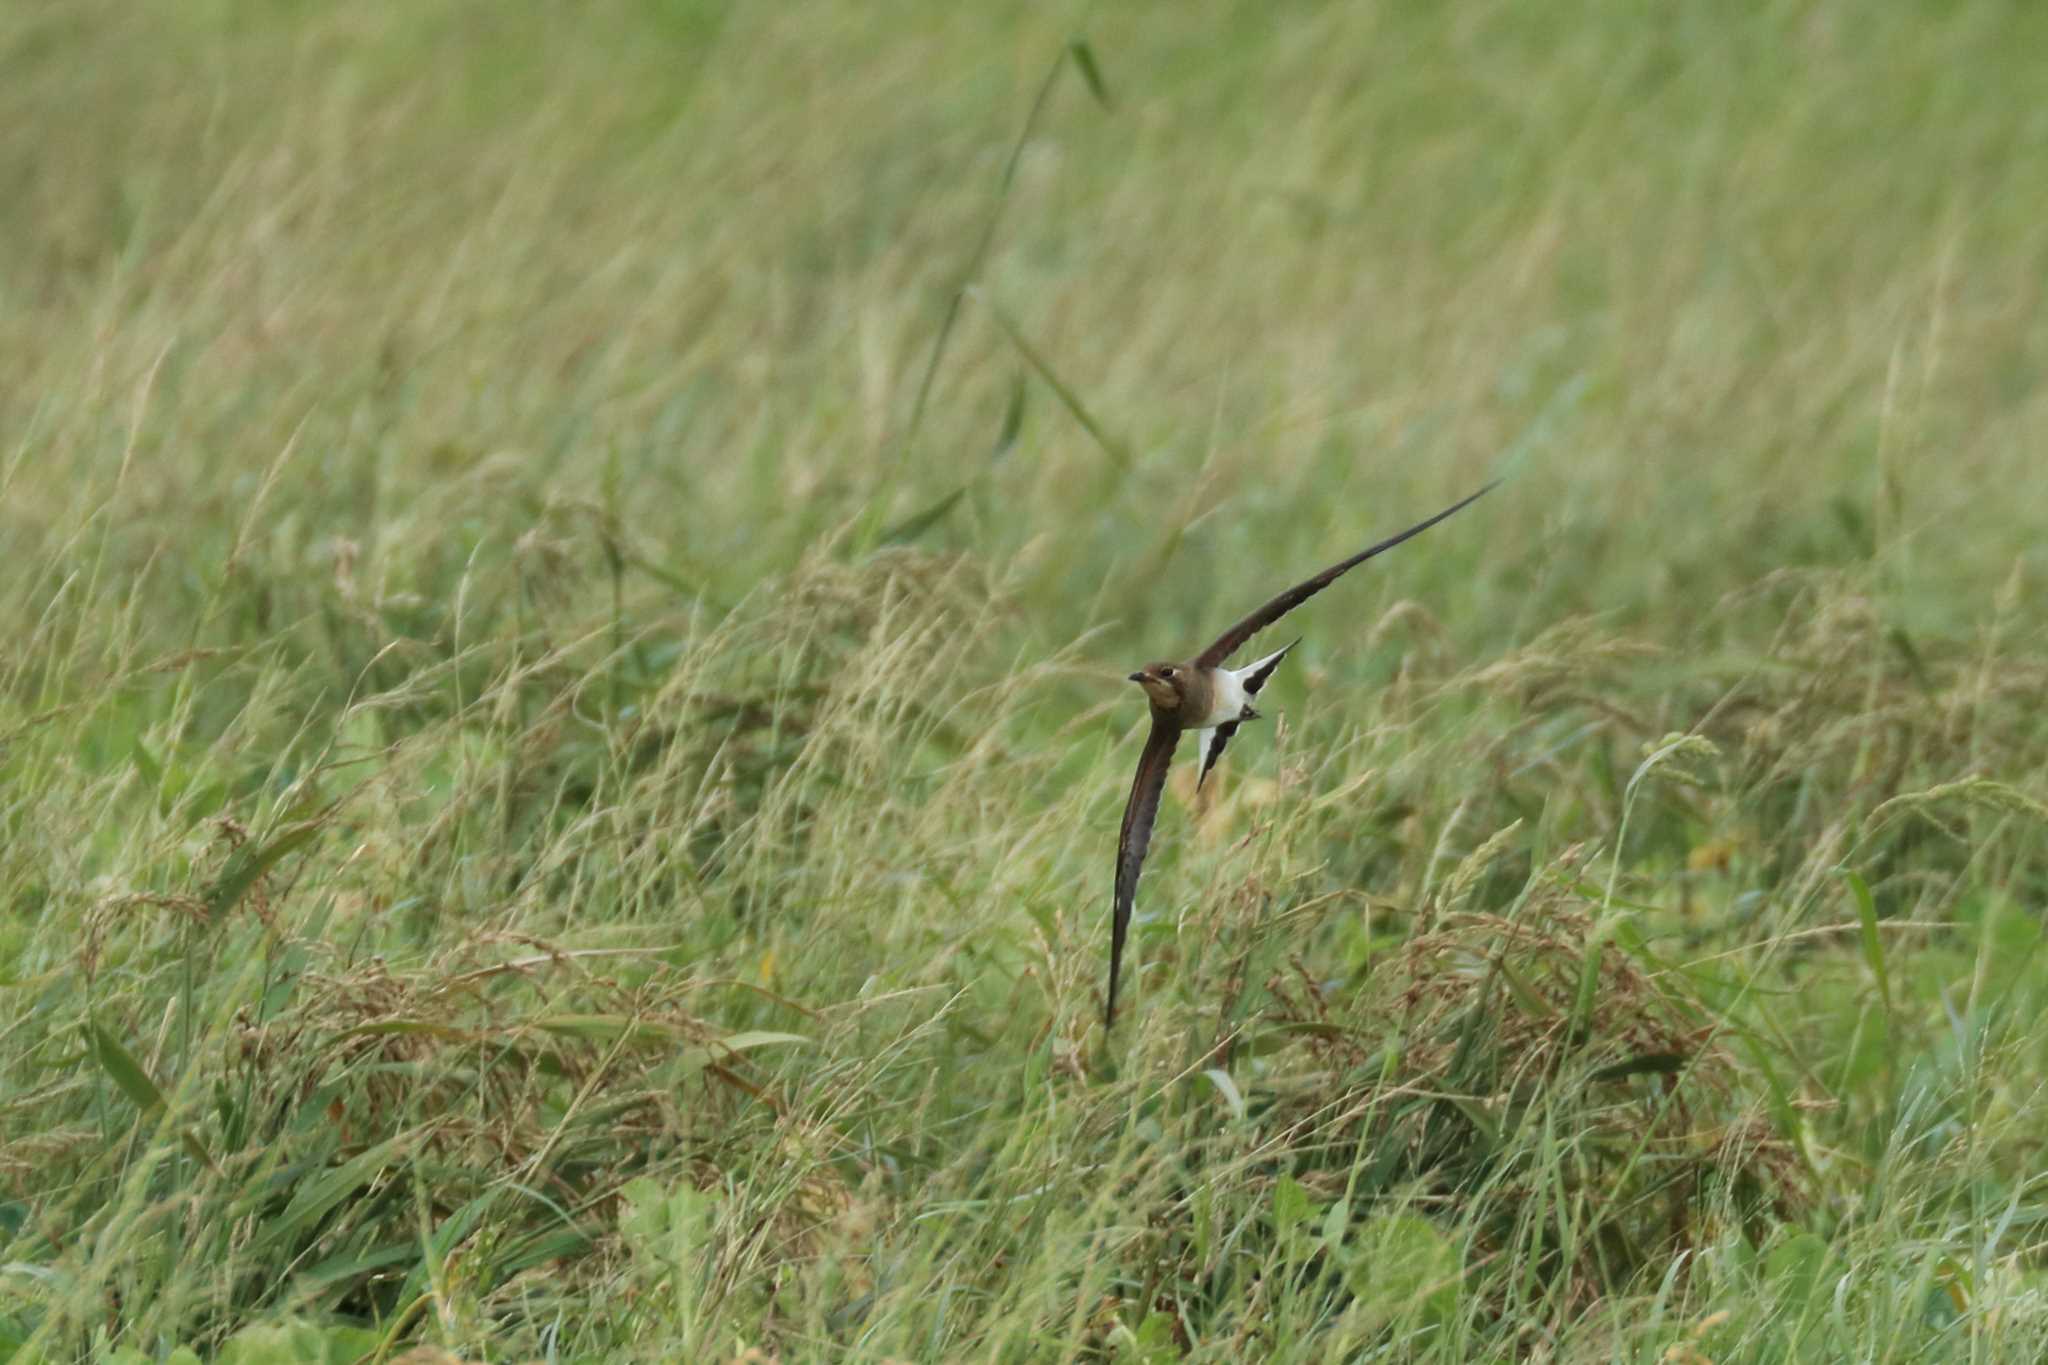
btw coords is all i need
(1203, 695)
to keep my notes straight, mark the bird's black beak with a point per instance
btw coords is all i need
(1137, 677)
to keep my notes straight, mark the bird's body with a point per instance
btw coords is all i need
(1211, 700)
(1204, 698)
(1202, 695)
(1228, 699)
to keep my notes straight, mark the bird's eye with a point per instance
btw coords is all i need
(1166, 672)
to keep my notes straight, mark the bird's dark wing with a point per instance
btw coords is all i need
(1287, 601)
(1134, 839)
(1212, 748)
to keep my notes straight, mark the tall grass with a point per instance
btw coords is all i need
(560, 722)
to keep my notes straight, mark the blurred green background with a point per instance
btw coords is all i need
(568, 574)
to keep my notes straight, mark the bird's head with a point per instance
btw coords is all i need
(1166, 684)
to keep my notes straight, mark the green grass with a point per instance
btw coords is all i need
(552, 807)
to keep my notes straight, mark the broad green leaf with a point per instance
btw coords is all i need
(1291, 1205)
(322, 1194)
(298, 1343)
(122, 1068)
(1478, 1116)
(747, 1042)
(1797, 1265)
(1873, 942)
(1337, 1223)
(1220, 1078)
(1533, 1005)
(1402, 1263)
(134, 1082)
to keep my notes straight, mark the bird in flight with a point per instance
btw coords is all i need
(1204, 696)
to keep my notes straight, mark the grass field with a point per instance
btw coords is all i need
(568, 577)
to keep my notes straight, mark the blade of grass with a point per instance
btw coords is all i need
(917, 523)
(979, 255)
(124, 1071)
(1091, 71)
(134, 1081)
(1013, 420)
(246, 866)
(1873, 941)
(1067, 396)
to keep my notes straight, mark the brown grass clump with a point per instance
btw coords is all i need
(495, 1102)
(1543, 1083)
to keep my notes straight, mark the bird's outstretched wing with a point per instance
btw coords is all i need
(1212, 748)
(1287, 601)
(1132, 841)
